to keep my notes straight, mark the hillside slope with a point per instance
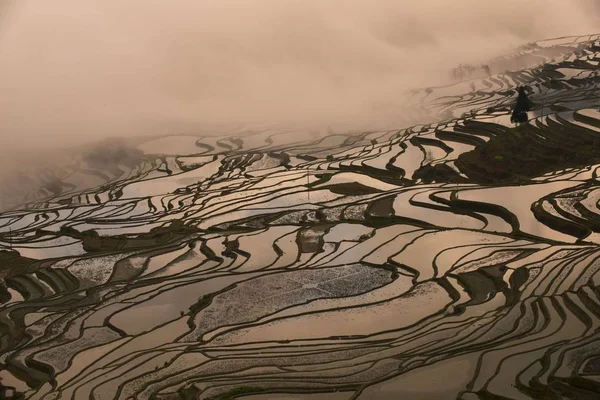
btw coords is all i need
(348, 266)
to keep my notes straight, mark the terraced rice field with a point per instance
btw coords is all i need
(274, 265)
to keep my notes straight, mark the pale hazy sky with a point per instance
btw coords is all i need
(72, 70)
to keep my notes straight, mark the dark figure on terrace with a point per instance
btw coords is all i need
(523, 105)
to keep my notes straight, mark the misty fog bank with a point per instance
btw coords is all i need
(73, 71)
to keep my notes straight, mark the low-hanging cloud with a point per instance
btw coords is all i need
(76, 70)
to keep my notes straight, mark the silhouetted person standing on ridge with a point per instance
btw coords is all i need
(523, 105)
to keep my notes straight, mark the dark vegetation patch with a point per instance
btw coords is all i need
(483, 284)
(191, 393)
(352, 189)
(186, 165)
(11, 262)
(310, 239)
(382, 208)
(203, 302)
(526, 152)
(438, 173)
(93, 242)
(592, 367)
(237, 392)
